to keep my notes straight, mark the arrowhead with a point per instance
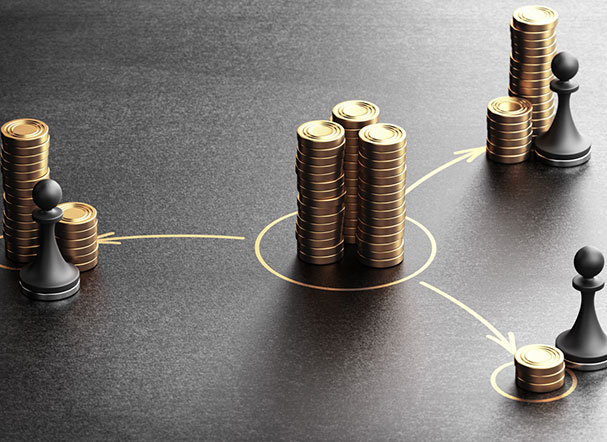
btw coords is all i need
(471, 154)
(105, 238)
(508, 344)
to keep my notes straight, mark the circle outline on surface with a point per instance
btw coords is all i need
(343, 289)
(498, 370)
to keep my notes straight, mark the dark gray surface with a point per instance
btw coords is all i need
(180, 117)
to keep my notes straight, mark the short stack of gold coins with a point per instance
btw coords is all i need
(25, 150)
(509, 130)
(321, 192)
(382, 171)
(539, 368)
(353, 115)
(77, 235)
(533, 36)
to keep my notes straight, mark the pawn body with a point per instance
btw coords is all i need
(49, 277)
(585, 344)
(563, 145)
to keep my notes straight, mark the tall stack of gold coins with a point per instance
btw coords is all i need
(533, 36)
(381, 191)
(539, 368)
(25, 150)
(321, 192)
(353, 115)
(509, 130)
(77, 235)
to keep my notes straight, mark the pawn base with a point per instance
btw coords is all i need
(56, 296)
(586, 366)
(563, 163)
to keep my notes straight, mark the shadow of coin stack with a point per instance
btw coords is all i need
(25, 151)
(533, 38)
(353, 115)
(321, 192)
(539, 368)
(509, 130)
(77, 235)
(381, 191)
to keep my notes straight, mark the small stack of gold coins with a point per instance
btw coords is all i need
(25, 150)
(77, 235)
(353, 115)
(509, 130)
(539, 368)
(533, 36)
(381, 191)
(321, 192)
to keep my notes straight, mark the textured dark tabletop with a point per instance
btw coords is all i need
(179, 118)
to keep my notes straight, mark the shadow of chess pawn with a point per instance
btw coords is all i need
(563, 145)
(585, 345)
(49, 277)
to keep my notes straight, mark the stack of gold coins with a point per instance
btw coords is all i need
(353, 115)
(381, 191)
(321, 192)
(539, 368)
(509, 130)
(533, 36)
(77, 235)
(25, 149)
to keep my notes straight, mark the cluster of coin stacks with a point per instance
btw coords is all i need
(381, 195)
(533, 36)
(353, 115)
(321, 192)
(77, 235)
(509, 130)
(25, 150)
(539, 368)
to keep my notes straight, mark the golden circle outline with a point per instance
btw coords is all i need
(2, 266)
(343, 289)
(496, 387)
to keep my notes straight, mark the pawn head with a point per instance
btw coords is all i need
(47, 194)
(589, 261)
(564, 66)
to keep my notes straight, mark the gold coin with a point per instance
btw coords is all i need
(533, 36)
(82, 258)
(21, 250)
(378, 188)
(382, 173)
(366, 228)
(544, 115)
(320, 251)
(379, 164)
(18, 204)
(380, 263)
(382, 137)
(77, 243)
(529, 91)
(77, 216)
(21, 241)
(321, 185)
(387, 213)
(540, 388)
(319, 170)
(533, 59)
(541, 379)
(518, 40)
(354, 114)
(509, 110)
(315, 227)
(318, 210)
(320, 219)
(526, 67)
(374, 155)
(382, 255)
(78, 252)
(533, 51)
(321, 194)
(506, 135)
(541, 122)
(319, 161)
(322, 153)
(350, 166)
(19, 258)
(24, 132)
(367, 248)
(534, 99)
(23, 159)
(383, 221)
(328, 202)
(17, 216)
(66, 233)
(85, 267)
(17, 233)
(20, 225)
(330, 234)
(382, 180)
(320, 260)
(365, 204)
(382, 197)
(322, 134)
(17, 176)
(508, 127)
(513, 142)
(20, 194)
(539, 359)
(40, 149)
(25, 185)
(499, 150)
(530, 84)
(318, 243)
(318, 177)
(535, 18)
(508, 159)
(379, 238)
(20, 167)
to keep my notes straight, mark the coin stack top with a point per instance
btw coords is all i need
(353, 115)
(381, 195)
(25, 151)
(509, 130)
(321, 192)
(539, 368)
(533, 38)
(77, 235)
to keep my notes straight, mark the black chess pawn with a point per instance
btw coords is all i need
(585, 345)
(563, 145)
(49, 277)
